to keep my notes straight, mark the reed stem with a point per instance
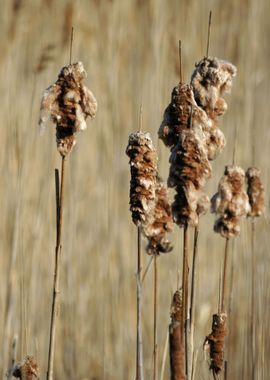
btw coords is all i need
(185, 297)
(253, 308)
(155, 316)
(224, 279)
(139, 346)
(56, 283)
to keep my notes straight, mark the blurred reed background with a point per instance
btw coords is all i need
(130, 51)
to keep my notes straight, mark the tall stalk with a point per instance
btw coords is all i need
(139, 345)
(155, 316)
(253, 324)
(224, 278)
(56, 283)
(185, 297)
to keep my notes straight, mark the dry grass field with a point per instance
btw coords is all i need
(130, 52)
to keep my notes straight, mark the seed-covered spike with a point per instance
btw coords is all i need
(255, 192)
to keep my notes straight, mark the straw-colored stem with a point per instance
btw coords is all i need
(253, 308)
(193, 296)
(139, 345)
(224, 279)
(155, 317)
(185, 296)
(56, 283)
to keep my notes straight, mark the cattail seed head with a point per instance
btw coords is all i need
(143, 168)
(255, 192)
(161, 224)
(216, 341)
(27, 369)
(230, 202)
(67, 103)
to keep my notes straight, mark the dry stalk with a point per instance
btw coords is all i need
(224, 277)
(56, 282)
(185, 298)
(155, 348)
(139, 344)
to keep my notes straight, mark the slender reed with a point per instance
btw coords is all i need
(139, 345)
(155, 347)
(58, 249)
(224, 277)
(185, 296)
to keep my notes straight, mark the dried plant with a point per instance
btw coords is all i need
(216, 341)
(161, 224)
(255, 192)
(177, 356)
(143, 168)
(230, 202)
(68, 103)
(212, 78)
(27, 369)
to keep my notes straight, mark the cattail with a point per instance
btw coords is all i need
(162, 223)
(255, 192)
(211, 78)
(177, 356)
(230, 202)
(216, 341)
(27, 369)
(68, 103)
(143, 168)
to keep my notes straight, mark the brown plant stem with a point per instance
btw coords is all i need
(185, 296)
(139, 344)
(155, 316)
(253, 284)
(56, 283)
(193, 298)
(224, 279)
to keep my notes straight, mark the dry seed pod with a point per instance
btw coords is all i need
(211, 78)
(216, 342)
(68, 103)
(27, 369)
(255, 192)
(143, 168)
(230, 202)
(161, 224)
(177, 356)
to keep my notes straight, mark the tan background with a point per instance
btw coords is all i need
(129, 49)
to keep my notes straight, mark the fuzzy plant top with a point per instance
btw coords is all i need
(255, 190)
(27, 369)
(230, 202)
(67, 103)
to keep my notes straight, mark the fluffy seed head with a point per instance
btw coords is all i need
(27, 369)
(67, 103)
(255, 192)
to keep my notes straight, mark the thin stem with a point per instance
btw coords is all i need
(185, 295)
(208, 34)
(56, 283)
(253, 324)
(180, 61)
(224, 279)
(71, 45)
(193, 294)
(155, 316)
(235, 143)
(139, 346)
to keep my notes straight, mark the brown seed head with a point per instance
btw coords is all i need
(27, 369)
(161, 224)
(255, 192)
(216, 341)
(68, 103)
(143, 168)
(230, 202)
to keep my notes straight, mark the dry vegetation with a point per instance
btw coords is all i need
(130, 52)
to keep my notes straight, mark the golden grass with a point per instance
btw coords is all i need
(130, 51)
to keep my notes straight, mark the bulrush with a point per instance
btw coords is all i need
(27, 369)
(216, 343)
(255, 192)
(143, 168)
(177, 356)
(183, 130)
(67, 103)
(162, 223)
(230, 202)
(212, 78)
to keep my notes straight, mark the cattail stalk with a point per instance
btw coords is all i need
(185, 297)
(224, 278)
(253, 324)
(155, 348)
(193, 298)
(56, 283)
(139, 345)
